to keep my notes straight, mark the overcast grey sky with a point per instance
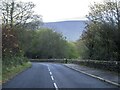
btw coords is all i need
(61, 10)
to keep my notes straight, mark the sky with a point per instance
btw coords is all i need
(62, 10)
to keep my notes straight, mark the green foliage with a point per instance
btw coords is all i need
(72, 50)
(47, 44)
(10, 72)
(14, 60)
(101, 36)
(16, 17)
(82, 50)
(25, 38)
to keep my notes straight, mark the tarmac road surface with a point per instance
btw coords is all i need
(54, 75)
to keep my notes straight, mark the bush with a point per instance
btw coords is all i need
(14, 61)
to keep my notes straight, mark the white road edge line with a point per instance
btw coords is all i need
(101, 78)
(96, 77)
(55, 86)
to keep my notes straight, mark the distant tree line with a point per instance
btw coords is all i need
(46, 43)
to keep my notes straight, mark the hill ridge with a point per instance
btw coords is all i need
(71, 29)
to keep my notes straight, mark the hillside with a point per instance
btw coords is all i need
(70, 29)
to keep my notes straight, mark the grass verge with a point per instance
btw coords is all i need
(9, 73)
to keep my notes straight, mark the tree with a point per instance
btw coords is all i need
(35, 23)
(72, 50)
(82, 49)
(25, 37)
(16, 18)
(10, 44)
(101, 35)
(18, 13)
(47, 44)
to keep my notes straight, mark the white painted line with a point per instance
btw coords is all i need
(100, 78)
(49, 69)
(55, 86)
(51, 73)
(52, 78)
(96, 77)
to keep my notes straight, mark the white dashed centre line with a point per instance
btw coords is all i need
(52, 78)
(55, 85)
(49, 69)
(50, 73)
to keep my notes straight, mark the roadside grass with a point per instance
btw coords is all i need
(8, 73)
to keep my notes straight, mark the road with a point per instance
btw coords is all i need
(51, 75)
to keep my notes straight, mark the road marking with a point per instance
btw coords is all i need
(49, 69)
(97, 77)
(51, 73)
(52, 78)
(55, 86)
